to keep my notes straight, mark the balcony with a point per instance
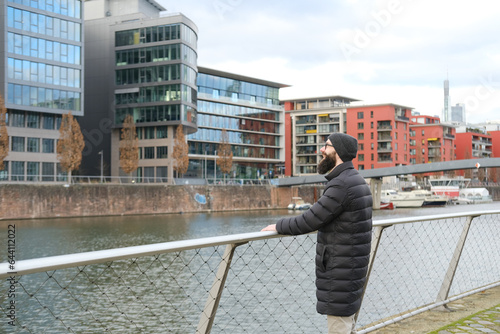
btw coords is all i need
(384, 149)
(383, 138)
(381, 128)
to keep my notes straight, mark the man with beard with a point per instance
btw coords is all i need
(343, 218)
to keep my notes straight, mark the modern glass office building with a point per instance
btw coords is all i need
(250, 112)
(143, 64)
(40, 79)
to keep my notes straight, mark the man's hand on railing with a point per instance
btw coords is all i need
(271, 227)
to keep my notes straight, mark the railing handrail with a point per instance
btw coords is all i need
(30, 266)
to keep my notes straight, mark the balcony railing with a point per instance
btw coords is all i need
(254, 282)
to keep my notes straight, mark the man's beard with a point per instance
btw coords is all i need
(327, 163)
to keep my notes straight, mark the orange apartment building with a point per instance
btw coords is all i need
(473, 144)
(382, 131)
(431, 140)
(495, 141)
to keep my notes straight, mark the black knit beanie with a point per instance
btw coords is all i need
(345, 145)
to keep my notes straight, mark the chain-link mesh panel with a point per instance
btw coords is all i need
(412, 262)
(269, 287)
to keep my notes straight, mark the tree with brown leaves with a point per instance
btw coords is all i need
(129, 146)
(70, 144)
(4, 136)
(225, 158)
(181, 151)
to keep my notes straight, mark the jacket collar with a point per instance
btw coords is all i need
(339, 169)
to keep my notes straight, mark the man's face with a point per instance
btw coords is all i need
(329, 158)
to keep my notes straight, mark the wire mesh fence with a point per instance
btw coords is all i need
(269, 286)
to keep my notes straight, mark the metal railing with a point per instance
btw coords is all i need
(253, 282)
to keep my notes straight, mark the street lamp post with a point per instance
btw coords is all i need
(100, 153)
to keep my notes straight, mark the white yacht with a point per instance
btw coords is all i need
(403, 199)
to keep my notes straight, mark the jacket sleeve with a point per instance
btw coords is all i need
(329, 206)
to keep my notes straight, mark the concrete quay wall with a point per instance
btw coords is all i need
(24, 201)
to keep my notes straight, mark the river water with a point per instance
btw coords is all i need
(48, 237)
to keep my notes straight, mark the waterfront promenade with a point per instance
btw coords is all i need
(478, 313)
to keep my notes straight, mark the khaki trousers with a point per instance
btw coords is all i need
(341, 325)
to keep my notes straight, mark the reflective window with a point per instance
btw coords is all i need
(17, 171)
(53, 98)
(17, 144)
(33, 145)
(47, 145)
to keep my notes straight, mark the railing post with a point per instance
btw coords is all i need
(377, 231)
(450, 273)
(208, 315)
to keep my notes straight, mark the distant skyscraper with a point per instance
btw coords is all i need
(446, 109)
(458, 113)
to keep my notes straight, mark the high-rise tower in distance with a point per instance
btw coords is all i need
(446, 109)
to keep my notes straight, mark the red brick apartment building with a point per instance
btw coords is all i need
(382, 131)
(430, 140)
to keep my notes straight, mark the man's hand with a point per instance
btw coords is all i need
(271, 227)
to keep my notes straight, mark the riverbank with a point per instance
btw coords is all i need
(25, 201)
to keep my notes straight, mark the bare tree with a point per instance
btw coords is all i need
(70, 144)
(225, 159)
(129, 146)
(4, 136)
(181, 150)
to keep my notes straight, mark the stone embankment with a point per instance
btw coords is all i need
(21, 201)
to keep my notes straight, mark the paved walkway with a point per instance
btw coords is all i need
(487, 321)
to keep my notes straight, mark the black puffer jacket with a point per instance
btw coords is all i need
(343, 219)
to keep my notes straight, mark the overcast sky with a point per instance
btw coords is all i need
(387, 51)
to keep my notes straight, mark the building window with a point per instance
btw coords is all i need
(149, 133)
(361, 147)
(371, 125)
(361, 167)
(149, 152)
(161, 132)
(371, 135)
(361, 126)
(423, 132)
(361, 115)
(371, 114)
(48, 122)
(17, 119)
(149, 174)
(17, 144)
(33, 145)
(47, 145)
(33, 121)
(17, 170)
(361, 157)
(162, 152)
(47, 171)
(162, 174)
(372, 157)
(32, 171)
(361, 136)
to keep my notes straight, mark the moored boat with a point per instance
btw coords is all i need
(429, 198)
(403, 199)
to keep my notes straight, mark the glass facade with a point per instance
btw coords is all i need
(162, 64)
(43, 80)
(251, 115)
